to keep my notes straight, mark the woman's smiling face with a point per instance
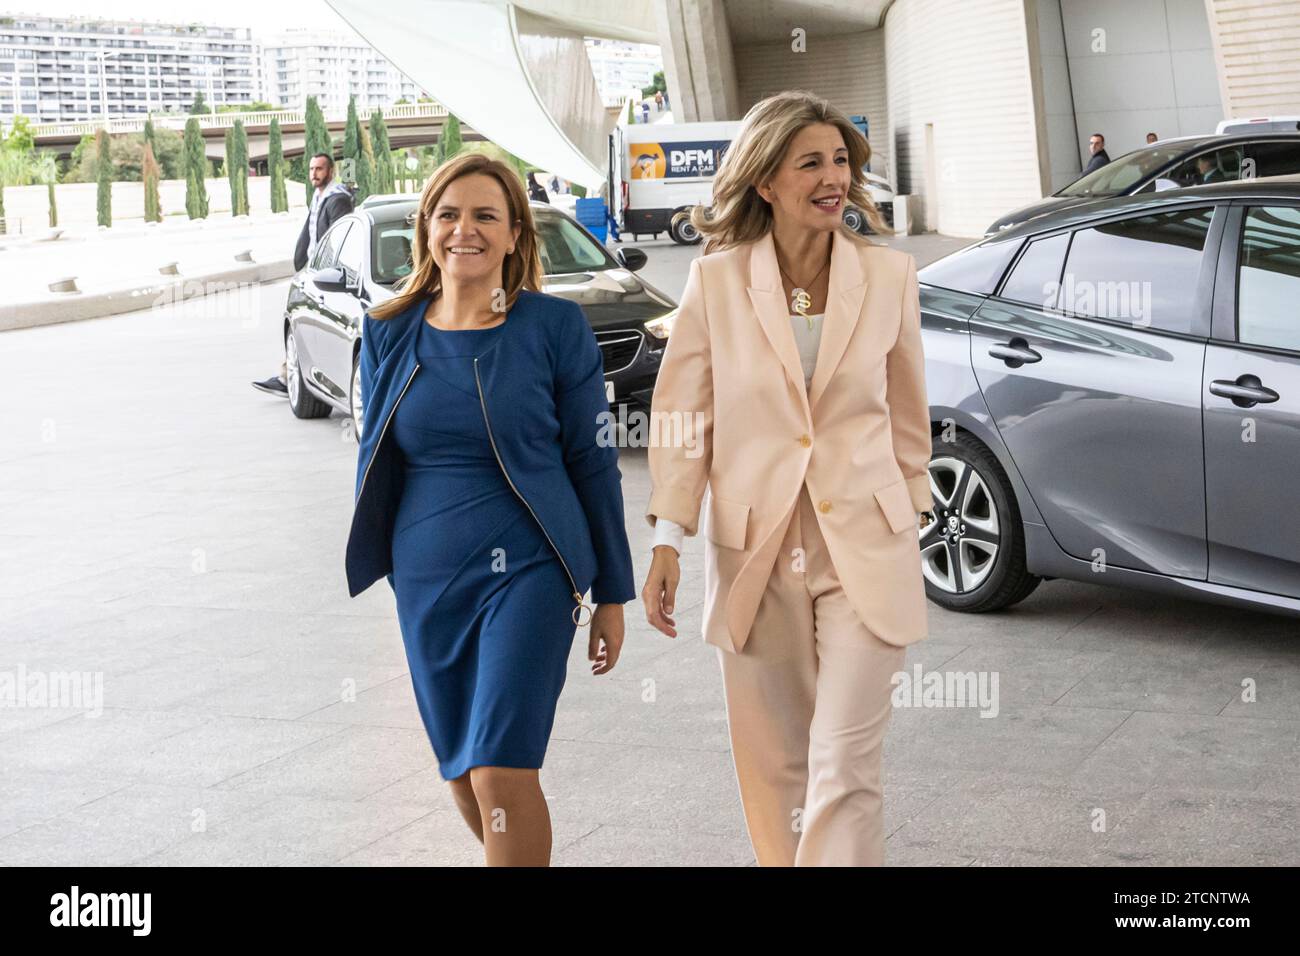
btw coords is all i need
(811, 183)
(470, 230)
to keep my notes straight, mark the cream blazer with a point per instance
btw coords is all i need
(736, 434)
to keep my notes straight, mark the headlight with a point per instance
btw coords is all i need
(662, 327)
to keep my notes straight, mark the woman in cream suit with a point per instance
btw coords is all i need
(793, 390)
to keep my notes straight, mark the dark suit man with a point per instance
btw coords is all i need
(329, 203)
(1096, 146)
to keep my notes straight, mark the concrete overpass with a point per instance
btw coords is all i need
(409, 125)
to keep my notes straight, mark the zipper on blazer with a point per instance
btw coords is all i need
(380, 440)
(491, 440)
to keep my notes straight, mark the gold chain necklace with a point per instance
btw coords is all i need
(800, 300)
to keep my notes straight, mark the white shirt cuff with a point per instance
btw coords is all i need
(669, 533)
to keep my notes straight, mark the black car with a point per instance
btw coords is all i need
(1115, 398)
(362, 256)
(1173, 164)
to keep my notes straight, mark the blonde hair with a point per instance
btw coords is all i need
(522, 269)
(738, 213)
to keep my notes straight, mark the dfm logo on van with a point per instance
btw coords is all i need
(693, 162)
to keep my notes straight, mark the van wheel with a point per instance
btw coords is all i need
(854, 219)
(682, 231)
(973, 552)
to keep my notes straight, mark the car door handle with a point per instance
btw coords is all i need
(1245, 391)
(1015, 353)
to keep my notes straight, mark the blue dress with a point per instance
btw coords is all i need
(484, 604)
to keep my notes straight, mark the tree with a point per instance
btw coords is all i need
(275, 162)
(316, 140)
(47, 171)
(239, 168)
(199, 107)
(152, 202)
(126, 153)
(449, 143)
(352, 132)
(385, 181)
(196, 162)
(104, 176)
(365, 166)
(149, 137)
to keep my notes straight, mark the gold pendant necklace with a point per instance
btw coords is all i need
(800, 300)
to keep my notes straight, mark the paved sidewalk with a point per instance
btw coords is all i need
(166, 527)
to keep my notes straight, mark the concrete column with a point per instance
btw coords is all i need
(699, 64)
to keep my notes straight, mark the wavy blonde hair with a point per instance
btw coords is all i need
(522, 269)
(738, 213)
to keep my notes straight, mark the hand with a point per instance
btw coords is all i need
(661, 589)
(605, 640)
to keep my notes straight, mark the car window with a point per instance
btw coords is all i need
(1274, 159)
(1214, 166)
(1120, 175)
(327, 249)
(1142, 271)
(391, 251)
(1036, 276)
(1268, 278)
(349, 255)
(976, 269)
(566, 248)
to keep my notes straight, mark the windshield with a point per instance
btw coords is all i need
(564, 248)
(1116, 178)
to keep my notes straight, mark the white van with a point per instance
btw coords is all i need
(659, 171)
(1260, 124)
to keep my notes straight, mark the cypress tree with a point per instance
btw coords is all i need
(385, 181)
(316, 139)
(149, 137)
(352, 133)
(104, 177)
(150, 173)
(230, 171)
(449, 143)
(196, 163)
(365, 166)
(239, 139)
(275, 159)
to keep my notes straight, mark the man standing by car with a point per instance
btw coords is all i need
(329, 203)
(1096, 146)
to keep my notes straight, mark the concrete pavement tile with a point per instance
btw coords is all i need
(612, 845)
(125, 826)
(287, 830)
(349, 764)
(1174, 750)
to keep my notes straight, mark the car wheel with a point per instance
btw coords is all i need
(973, 552)
(354, 399)
(303, 402)
(855, 220)
(682, 231)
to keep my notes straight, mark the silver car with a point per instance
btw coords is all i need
(1115, 398)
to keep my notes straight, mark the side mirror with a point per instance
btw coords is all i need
(631, 259)
(330, 280)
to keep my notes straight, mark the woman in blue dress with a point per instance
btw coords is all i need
(485, 497)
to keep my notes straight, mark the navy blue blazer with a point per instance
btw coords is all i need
(542, 390)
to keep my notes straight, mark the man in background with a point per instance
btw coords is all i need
(1096, 146)
(329, 203)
